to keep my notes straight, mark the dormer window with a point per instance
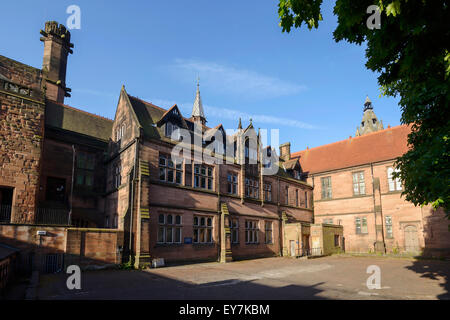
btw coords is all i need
(170, 128)
(297, 174)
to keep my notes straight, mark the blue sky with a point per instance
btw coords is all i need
(303, 83)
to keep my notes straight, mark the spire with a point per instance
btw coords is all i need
(197, 109)
(240, 124)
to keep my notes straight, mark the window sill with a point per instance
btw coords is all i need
(252, 243)
(362, 234)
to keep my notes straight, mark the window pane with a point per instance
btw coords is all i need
(161, 219)
(202, 235)
(162, 174)
(209, 235)
(203, 183)
(178, 219)
(195, 221)
(202, 221)
(209, 222)
(196, 181)
(169, 219)
(196, 235)
(169, 235)
(161, 234)
(89, 179)
(178, 177)
(178, 235)
(210, 184)
(170, 175)
(162, 161)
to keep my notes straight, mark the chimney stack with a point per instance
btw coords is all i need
(285, 151)
(57, 47)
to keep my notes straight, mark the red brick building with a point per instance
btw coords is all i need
(61, 165)
(104, 189)
(353, 187)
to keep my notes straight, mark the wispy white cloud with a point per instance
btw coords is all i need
(232, 80)
(233, 114)
(219, 112)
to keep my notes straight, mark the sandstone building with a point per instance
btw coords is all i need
(354, 188)
(63, 166)
(75, 186)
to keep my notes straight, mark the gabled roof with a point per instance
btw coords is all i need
(378, 146)
(148, 115)
(291, 164)
(64, 117)
(173, 110)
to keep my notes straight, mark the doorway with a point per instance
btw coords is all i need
(6, 197)
(305, 245)
(292, 246)
(411, 239)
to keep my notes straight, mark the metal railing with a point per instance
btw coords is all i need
(316, 251)
(5, 213)
(52, 216)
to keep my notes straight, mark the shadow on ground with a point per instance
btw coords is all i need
(141, 285)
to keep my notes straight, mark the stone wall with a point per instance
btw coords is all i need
(21, 135)
(81, 246)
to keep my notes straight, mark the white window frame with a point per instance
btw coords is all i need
(394, 184)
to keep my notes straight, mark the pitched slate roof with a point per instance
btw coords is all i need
(290, 164)
(378, 146)
(149, 115)
(64, 117)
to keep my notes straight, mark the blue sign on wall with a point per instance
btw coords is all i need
(188, 240)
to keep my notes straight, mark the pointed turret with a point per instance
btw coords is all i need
(197, 110)
(369, 121)
(367, 104)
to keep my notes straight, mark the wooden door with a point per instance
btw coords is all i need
(411, 239)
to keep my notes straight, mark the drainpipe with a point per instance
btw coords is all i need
(132, 195)
(71, 187)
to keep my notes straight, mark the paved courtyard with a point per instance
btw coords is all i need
(335, 277)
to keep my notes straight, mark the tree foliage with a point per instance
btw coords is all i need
(410, 52)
